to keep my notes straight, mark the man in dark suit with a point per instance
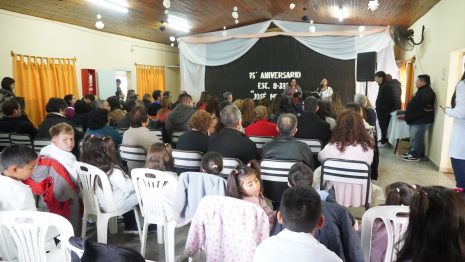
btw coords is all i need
(310, 126)
(14, 122)
(230, 142)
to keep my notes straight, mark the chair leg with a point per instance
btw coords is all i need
(160, 234)
(102, 229)
(138, 221)
(143, 240)
(84, 224)
(169, 241)
(113, 225)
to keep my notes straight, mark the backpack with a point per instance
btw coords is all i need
(99, 252)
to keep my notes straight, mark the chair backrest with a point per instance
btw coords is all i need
(395, 219)
(261, 140)
(4, 140)
(133, 153)
(39, 143)
(121, 130)
(151, 186)
(175, 136)
(349, 172)
(187, 160)
(314, 144)
(228, 165)
(158, 133)
(28, 231)
(88, 175)
(20, 139)
(274, 177)
(79, 128)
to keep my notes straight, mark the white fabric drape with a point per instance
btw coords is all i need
(336, 41)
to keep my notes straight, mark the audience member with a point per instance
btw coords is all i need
(167, 94)
(126, 121)
(310, 125)
(197, 138)
(100, 152)
(419, 115)
(138, 134)
(245, 183)
(369, 114)
(97, 125)
(335, 105)
(81, 110)
(17, 163)
(159, 157)
(203, 101)
(435, 228)
(457, 144)
(273, 108)
(300, 212)
(13, 122)
(103, 104)
(230, 142)
(61, 148)
(120, 96)
(324, 112)
(397, 194)
(238, 103)
(286, 146)
(178, 119)
(55, 109)
(227, 100)
(6, 92)
(70, 101)
(147, 101)
(156, 105)
(285, 106)
(89, 98)
(164, 111)
(261, 126)
(212, 163)
(248, 115)
(385, 104)
(300, 174)
(116, 113)
(264, 102)
(212, 106)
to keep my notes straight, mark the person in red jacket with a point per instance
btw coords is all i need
(261, 126)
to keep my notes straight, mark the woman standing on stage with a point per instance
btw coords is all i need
(324, 90)
(292, 88)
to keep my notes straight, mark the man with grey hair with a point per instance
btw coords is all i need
(227, 100)
(368, 111)
(311, 126)
(230, 141)
(286, 146)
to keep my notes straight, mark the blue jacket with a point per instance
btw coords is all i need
(106, 131)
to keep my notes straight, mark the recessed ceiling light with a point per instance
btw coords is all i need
(99, 25)
(110, 5)
(172, 38)
(178, 22)
(361, 28)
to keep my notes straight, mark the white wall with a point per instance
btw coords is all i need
(444, 40)
(94, 49)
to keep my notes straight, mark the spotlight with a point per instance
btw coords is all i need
(99, 25)
(292, 6)
(172, 38)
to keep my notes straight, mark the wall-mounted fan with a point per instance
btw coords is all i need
(404, 37)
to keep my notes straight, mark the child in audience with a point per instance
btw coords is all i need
(245, 183)
(300, 212)
(212, 163)
(61, 147)
(17, 163)
(397, 194)
(301, 174)
(100, 152)
(436, 227)
(160, 157)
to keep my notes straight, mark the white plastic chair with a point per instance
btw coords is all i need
(175, 136)
(88, 175)
(4, 140)
(187, 160)
(274, 176)
(314, 144)
(28, 231)
(152, 186)
(38, 144)
(261, 140)
(20, 139)
(349, 172)
(228, 165)
(396, 226)
(158, 133)
(135, 156)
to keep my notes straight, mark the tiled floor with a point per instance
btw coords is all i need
(392, 169)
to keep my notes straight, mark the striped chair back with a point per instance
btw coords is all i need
(20, 139)
(274, 177)
(261, 140)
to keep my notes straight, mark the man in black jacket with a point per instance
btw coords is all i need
(310, 125)
(419, 115)
(13, 122)
(388, 100)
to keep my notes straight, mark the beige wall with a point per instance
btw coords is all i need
(444, 41)
(93, 49)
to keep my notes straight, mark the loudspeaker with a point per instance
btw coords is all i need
(366, 66)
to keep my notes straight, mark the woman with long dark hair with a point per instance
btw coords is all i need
(457, 143)
(6, 92)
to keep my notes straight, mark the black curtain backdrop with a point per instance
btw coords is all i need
(267, 67)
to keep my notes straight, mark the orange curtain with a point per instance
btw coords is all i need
(150, 78)
(409, 78)
(39, 78)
